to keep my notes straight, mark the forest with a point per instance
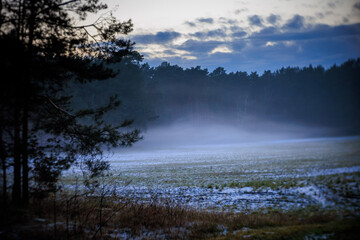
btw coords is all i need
(311, 96)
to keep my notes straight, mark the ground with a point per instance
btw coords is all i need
(282, 175)
(299, 189)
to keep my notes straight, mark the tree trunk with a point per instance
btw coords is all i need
(3, 165)
(16, 193)
(25, 105)
(4, 181)
(25, 166)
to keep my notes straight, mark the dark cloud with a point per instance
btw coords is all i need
(235, 28)
(206, 20)
(255, 20)
(238, 11)
(208, 34)
(169, 51)
(320, 15)
(239, 34)
(357, 6)
(159, 37)
(267, 31)
(201, 21)
(196, 47)
(191, 24)
(228, 21)
(238, 45)
(332, 5)
(329, 13)
(273, 19)
(297, 22)
(232, 21)
(316, 32)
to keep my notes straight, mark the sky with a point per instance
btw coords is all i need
(243, 35)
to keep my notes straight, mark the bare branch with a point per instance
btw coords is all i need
(97, 43)
(65, 3)
(58, 108)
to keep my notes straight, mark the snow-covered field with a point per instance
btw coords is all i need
(323, 172)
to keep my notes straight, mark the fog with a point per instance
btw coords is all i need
(177, 107)
(207, 134)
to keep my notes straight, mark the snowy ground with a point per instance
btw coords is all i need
(282, 174)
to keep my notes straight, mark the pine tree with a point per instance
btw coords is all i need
(43, 49)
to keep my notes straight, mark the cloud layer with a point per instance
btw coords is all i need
(264, 42)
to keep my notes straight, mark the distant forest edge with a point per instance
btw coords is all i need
(311, 96)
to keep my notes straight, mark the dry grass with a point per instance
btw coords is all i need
(103, 214)
(83, 216)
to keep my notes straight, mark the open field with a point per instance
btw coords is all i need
(282, 175)
(303, 189)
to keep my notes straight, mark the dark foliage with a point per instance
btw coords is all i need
(43, 51)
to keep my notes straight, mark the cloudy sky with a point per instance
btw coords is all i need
(244, 35)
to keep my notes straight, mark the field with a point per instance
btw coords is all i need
(271, 175)
(298, 189)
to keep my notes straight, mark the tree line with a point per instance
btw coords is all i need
(312, 96)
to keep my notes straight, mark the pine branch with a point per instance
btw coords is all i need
(58, 5)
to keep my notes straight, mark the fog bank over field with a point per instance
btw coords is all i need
(205, 133)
